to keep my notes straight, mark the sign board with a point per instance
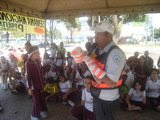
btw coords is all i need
(17, 23)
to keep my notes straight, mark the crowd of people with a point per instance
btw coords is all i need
(57, 77)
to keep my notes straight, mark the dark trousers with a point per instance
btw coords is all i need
(71, 96)
(138, 103)
(39, 103)
(155, 102)
(104, 110)
(81, 113)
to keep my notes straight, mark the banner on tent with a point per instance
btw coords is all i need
(18, 23)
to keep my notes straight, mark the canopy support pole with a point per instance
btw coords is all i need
(45, 36)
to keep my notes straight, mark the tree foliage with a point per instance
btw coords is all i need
(54, 33)
(72, 24)
(118, 21)
(134, 18)
(157, 33)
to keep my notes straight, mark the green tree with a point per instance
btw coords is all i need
(71, 25)
(118, 21)
(53, 30)
(56, 33)
(157, 33)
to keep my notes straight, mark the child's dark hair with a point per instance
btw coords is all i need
(134, 85)
(62, 75)
(50, 80)
(155, 70)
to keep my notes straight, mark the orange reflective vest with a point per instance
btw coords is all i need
(101, 61)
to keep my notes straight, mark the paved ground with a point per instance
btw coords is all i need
(19, 108)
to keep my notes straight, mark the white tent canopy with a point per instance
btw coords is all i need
(64, 8)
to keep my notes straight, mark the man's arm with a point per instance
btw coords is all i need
(114, 66)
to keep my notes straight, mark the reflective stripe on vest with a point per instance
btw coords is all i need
(106, 86)
(102, 66)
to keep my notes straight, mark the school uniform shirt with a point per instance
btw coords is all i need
(81, 82)
(154, 86)
(114, 65)
(130, 79)
(59, 62)
(65, 86)
(135, 96)
(88, 99)
(52, 52)
(47, 61)
(70, 60)
(51, 74)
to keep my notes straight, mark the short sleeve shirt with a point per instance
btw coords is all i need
(88, 99)
(65, 86)
(154, 87)
(136, 96)
(114, 66)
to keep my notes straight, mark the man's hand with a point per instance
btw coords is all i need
(30, 92)
(78, 54)
(97, 80)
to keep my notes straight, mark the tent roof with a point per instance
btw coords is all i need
(63, 8)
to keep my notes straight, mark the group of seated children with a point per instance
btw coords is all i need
(140, 95)
(60, 89)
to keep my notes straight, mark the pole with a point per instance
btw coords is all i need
(45, 39)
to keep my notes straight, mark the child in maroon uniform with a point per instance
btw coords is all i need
(35, 79)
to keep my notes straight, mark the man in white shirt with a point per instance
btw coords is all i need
(106, 100)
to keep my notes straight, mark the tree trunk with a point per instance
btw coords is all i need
(51, 31)
(7, 37)
(71, 35)
(117, 28)
(29, 37)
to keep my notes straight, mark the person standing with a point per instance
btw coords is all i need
(148, 63)
(61, 49)
(53, 51)
(4, 68)
(113, 59)
(28, 48)
(133, 60)
(35, 79)
(106, 70)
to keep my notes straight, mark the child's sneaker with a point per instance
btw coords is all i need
(72, 104)
(1, 108)
(34, 118)
(140, 111)
(44, 114)
(64, 103)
